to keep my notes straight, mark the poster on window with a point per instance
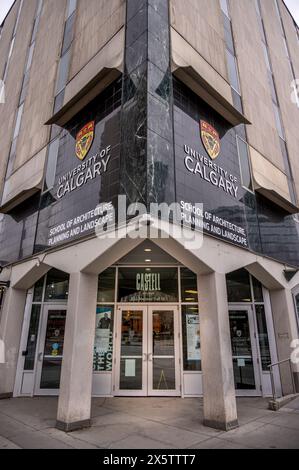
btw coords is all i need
(193, 337)
(103, 344)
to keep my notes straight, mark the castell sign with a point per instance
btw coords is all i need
(148, 282)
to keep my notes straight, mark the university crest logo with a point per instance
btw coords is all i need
(210, 139)
(84, 140)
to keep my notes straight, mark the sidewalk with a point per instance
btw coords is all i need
(160, 423)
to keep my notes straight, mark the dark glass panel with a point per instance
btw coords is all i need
(32, 338)
(189, 291)
(57, 286)
(238, 286)
(263, 337)
(148, 285)
(53, 351)
(241, 350)
(106, 288)
(38, 290)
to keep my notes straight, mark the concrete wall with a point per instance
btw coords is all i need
(15, 75)
(289, 109)
(258, 107)
(34, 135)
(96, 23)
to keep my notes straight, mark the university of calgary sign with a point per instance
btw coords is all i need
(90, 168)
(205, 167)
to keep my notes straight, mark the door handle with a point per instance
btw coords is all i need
(144, 357)
(150, 357)
(40, 356)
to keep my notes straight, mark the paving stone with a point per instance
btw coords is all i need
(135, 441)
(7, 444)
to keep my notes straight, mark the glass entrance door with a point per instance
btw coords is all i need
(244, 352)
(50, 351)
(147, 351)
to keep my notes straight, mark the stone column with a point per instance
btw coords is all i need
(10, 332)
(74, 404)
(284, 318)
(219, 397)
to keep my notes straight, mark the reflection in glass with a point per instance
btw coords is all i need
(257, 290)
(57, 285)
(241, 350)
(53, 350)
(263, 337)
(32, 338)
(188, 286)
(163, 333)
(191, 338)
(238, 286)
(131, 350)
(164, 374)
(130, 374)
(38, 290)
(106, 287)
(148, 285)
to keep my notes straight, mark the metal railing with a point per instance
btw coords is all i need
(275, 364)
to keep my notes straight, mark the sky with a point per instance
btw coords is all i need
(293, 6)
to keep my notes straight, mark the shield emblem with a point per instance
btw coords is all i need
(210, 139)
(84, 140)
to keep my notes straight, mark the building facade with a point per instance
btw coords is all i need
(149, 230)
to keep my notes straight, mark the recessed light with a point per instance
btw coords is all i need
(191, 292)
(148, 250)
(148, 260)
(189, 299)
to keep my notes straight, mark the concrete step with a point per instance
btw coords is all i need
(278, 403)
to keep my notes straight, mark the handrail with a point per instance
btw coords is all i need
(272, 378)
(280, 362)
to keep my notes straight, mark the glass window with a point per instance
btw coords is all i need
(272, 88)
(32, 337)
(63, 72)
(30, 57)
(68, 33)
(237, 101)
(72, 5)
(257, 290)
(189, 291)
(278, 121)
(53, 351)
(148, 285)
(238, 286)
(191, 338)
(58, 103)
(224, 7)
(51, 164)
(228, 34)
(57, 286)
(263, 337)
(297, 305)
(267, 58)
(244, 163)
(18, 121)
(38, 290)
(24, 87)
(106, 288)
(233, 71)
(12, 157)
(103, 343)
